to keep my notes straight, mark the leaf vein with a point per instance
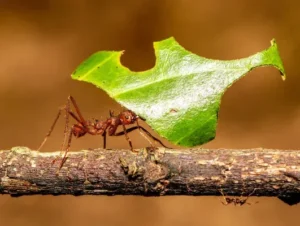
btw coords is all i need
(195, 128)
(96, 66)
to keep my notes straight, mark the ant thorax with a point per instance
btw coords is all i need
(98, 125)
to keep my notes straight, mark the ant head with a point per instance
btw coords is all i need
(128, 117)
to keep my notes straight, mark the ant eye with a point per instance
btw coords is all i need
(127, 117)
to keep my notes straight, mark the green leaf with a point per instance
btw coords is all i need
(180, 96)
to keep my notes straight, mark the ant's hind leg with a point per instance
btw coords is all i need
(81, 119)
(51, 129)
(67, 149)
(67, 110)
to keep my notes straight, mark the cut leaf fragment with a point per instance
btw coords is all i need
(180, 96)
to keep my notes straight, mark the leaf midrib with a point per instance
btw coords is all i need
(166, 79)
(94, 68)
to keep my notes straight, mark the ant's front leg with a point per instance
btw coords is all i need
(51, 129)
(146, 131)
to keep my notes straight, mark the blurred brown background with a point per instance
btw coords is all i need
(43, 41)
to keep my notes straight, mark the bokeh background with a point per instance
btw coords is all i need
(43, 41)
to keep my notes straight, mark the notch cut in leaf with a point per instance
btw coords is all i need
(180, 96)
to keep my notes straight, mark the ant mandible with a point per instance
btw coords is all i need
(96, 127)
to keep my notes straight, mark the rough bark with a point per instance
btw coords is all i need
(259, 172)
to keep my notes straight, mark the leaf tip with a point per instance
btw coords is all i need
(164, 41)
(280, 66)
(74, 75)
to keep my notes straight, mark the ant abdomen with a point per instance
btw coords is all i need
(78, 131)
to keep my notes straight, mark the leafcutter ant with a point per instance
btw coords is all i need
(237, 201)
(96, 127)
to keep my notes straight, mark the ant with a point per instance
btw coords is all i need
(96, 127)
(237, 201)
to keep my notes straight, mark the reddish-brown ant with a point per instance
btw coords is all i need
(237, 201)
(96, 127)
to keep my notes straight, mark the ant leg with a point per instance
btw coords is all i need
(74, 116)
(146, 131)
(254, 190)
(127, 137)
(82, 120)
(111, 113)
(250, 195)
(70, 135)
(67, 149)
(150, 142)
(68, 111)
(67, 108)
(104, 140)
(154, 138)
(51, 129)
(224, 197)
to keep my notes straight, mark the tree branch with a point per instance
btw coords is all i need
(260, 172)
